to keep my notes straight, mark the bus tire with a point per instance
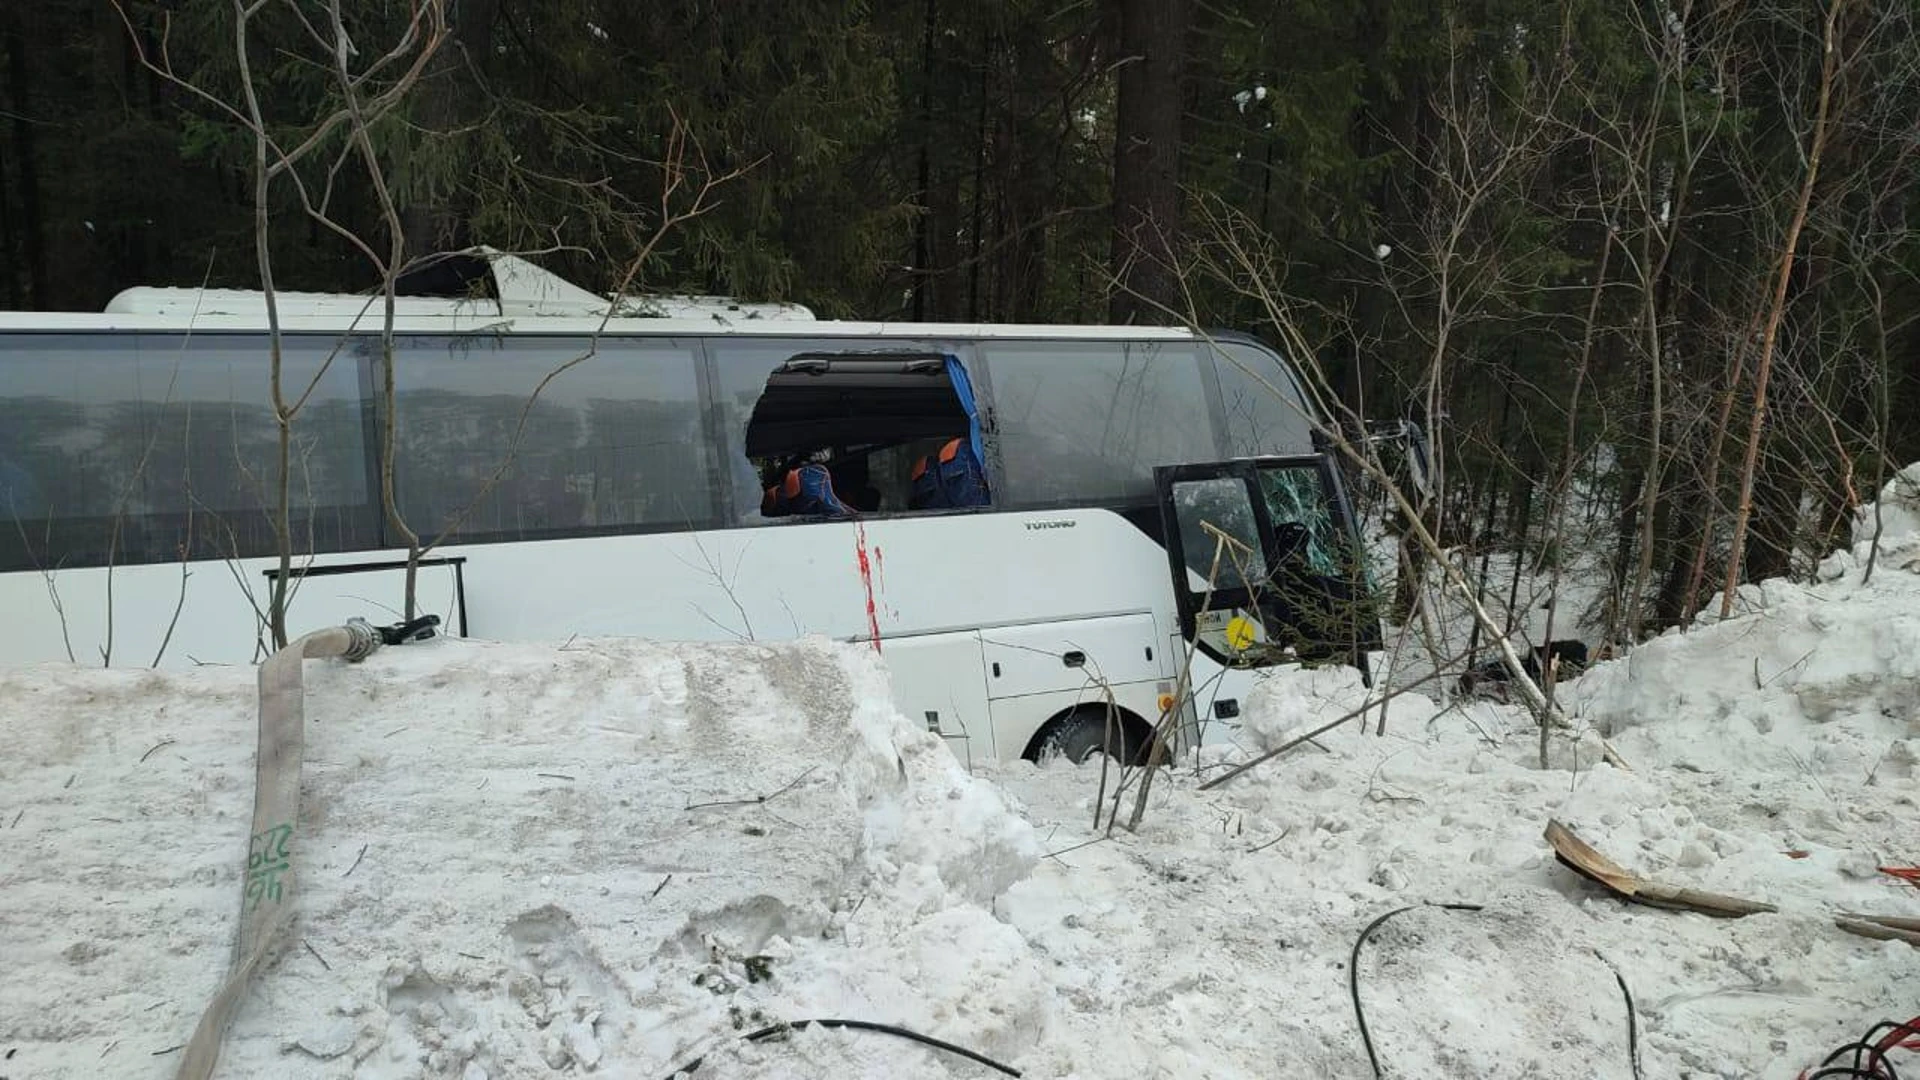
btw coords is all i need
(1080, 733)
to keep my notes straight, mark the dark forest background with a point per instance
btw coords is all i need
(1569, 238)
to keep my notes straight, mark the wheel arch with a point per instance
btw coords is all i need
(1136, 730)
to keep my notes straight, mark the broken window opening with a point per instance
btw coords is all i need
(833, 435)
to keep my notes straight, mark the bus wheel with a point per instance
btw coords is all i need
(1080, 734)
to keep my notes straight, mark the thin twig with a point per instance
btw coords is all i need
(1270, 843)
(1077, 847)
(156, 747)
(308, 945)
(356, 861)
(758, 799)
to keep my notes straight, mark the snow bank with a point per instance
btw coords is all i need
(1828, 674)
(1217, 941)
(1783, 741)
(508, 867)
(1894, 517)
(612, 858)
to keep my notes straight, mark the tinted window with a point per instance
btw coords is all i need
(1261, 403)
(138, 448)
(1080, 421)
(612, 442)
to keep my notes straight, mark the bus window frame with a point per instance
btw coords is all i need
(687, 347)
(180, 341)
(703, 350)
(1188, 605)
(721, 444)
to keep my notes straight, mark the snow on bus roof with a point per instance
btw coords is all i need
(474, 322)
(513, 287)
(520, 297)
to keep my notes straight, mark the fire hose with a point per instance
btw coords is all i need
(268, 884)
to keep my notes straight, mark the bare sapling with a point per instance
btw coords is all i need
(689, 189)
(1231, 257)
(272, 162)
(1776, 309)
(1570, 456)
(1224, 547)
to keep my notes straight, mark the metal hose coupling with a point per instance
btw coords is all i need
(365, 638)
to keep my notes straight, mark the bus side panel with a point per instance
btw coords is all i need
(851, 581)
(867, 581)
(1045, 656)
(939, 681)
(132, 616)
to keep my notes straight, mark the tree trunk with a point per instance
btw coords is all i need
(1146, 159)
(1627, 532)
(1775, 523)
(122, 233)
(1743, 510)
(448, 94)
(923, 222)
(981, 133)
(9, 281)
(32, 243)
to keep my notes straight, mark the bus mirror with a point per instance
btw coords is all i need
(1416, 462)
(1419, 461)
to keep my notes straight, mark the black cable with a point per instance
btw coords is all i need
(1870, 1057)
(859, 1025)
(1360, 1016)
(1353, 974)
(1633, 1020)
(1874, 1067)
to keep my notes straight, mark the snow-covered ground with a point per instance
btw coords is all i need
(615, 857)
(1523, 595)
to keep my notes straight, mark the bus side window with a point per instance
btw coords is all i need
(1088, 421)
(612, 442)
(817, 429)
(740, 369)
(1263, 411)
(140, 448)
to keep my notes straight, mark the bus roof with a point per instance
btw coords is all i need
(481, 281)
(408, 323)
(496, 292)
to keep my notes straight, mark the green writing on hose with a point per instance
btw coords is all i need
(267, 859)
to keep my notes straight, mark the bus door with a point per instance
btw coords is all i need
(1268, 566)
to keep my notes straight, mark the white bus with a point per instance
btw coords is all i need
(1012, 515)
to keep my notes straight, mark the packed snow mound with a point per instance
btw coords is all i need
(1826, 674)
(1780, 745)
(1291, 703)
(516, 861)
(1894, 518)
(1216, 942)
(1829, 672)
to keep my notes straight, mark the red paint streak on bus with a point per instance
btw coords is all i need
(866, 581)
